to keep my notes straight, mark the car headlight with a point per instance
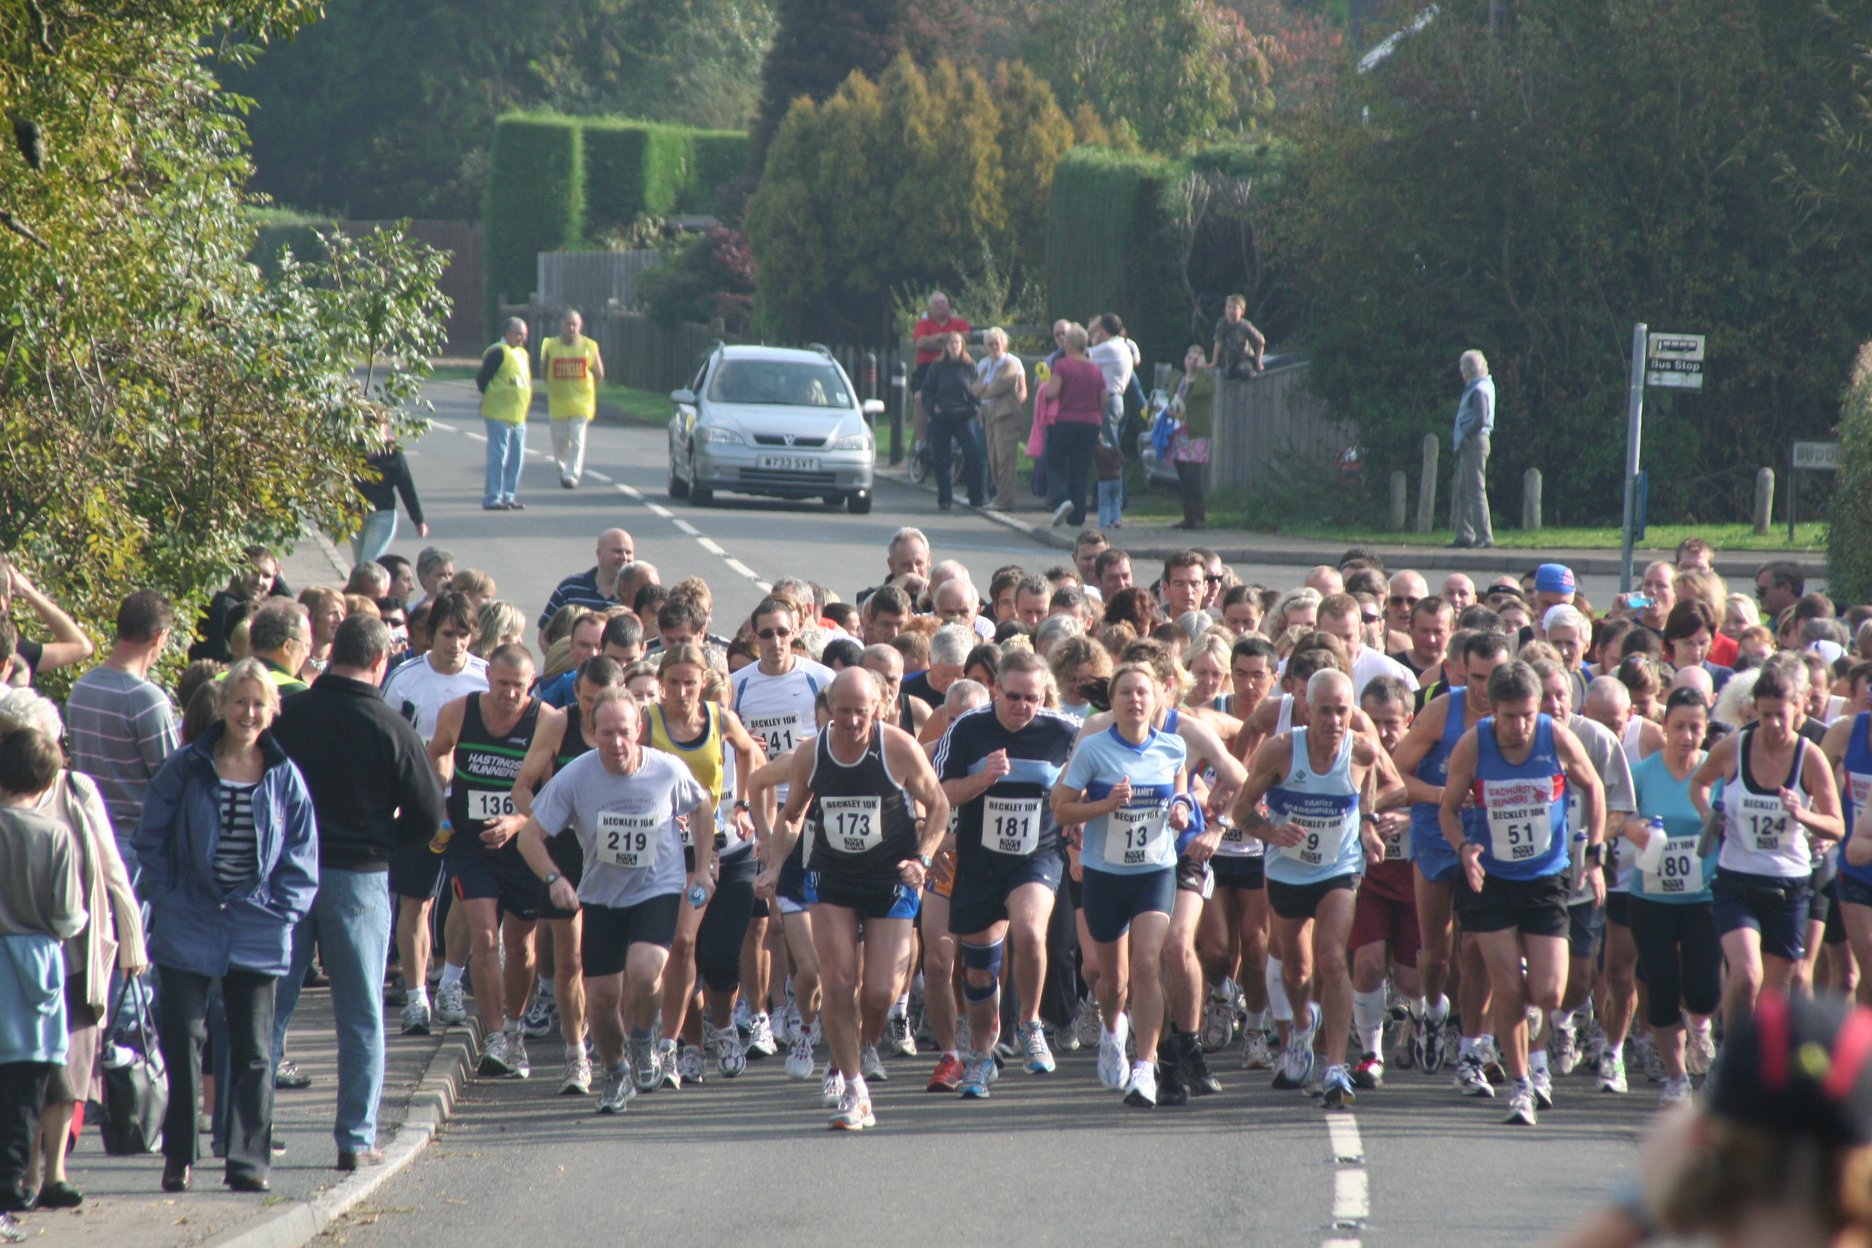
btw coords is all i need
(860, 441)
(717, 433)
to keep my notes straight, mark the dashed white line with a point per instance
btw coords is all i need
(444, 426)
(629, 491)
(1351, 1185)
(479, 437)
(658, 509)
(685, 527)
(1347, 1148)
(595, 475)
(1351, 1197)
(735, 565)
(713, 547)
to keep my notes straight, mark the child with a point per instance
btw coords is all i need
(1110, 462)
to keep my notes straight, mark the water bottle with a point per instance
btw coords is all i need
(1652, 855)
(698, 896)
(439, 842)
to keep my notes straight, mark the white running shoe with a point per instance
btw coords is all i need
(1255, 1055)
(496, 1060)
(1087, 1025)
(1612, 1075)
(668, 1076)
(578, 1075)
(1542, 1083)
(832, 1090)
(1039, 1056)
(1141, 1090)
(1676, 1092)
(415, 1017)
(1112, 1069)
(517, 1054)
(450, 1008)
(641, 1055)
(618, 1092)
(897, 1036)
(1699, 1050)
(799, 1062)
(760, 1040)
(1470, 1080)
(690, 1066)
(852, 1112)
(1521, 1108)
(871, 1065)
(730, 1053)
(541, 1018)
(1218, 1021)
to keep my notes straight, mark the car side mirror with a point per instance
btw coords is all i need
(872, 407)
(685, 398)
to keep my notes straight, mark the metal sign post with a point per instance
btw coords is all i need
(1813, 457)
(1634, 425)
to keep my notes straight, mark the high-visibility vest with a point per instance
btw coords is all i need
(511, 392)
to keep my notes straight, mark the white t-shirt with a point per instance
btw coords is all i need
(620, 820)
(1370, 665)
(418, 692)
(778, 710)
(1114, 358)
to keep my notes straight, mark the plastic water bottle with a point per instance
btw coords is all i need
(1656, 838)
(439, 842)
(698, 896)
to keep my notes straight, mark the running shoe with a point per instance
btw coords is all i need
(618, 1092)
(1650, 1060)
(730, 1052)
(897, 1037)
(1218, 1020)
(517, 1055)
(1699, 1050)
(668, 1076)
(1676, 1092)
(1563, 1050)
(640, 1052)
(1542, 1082)
(578, 1075)
(975, 1078)
(450, 1008)
(1470, 1079)
(11, 1232)
(1255, 1054)
(1088, 1026)
(1171, 1090)
(1367, 1074)
(799, 1062)
(760, 1040)
(1141, 1091)
(496, 1061)
(947, 1077)
(1430, 1053)
(1400, 1038)
(690, 1064)
(1490, 1056)
(1336, 1089)
(1296, 1066)
(1521, 1108)
(871, 1064)
(1612, 1075)
(287, 1075)
(1193, 1065)
(852, 1112)
(1034, 1042)
(541, 1018)
(743, 1015)
(415, 1017)
(832, 1090)
(1111, 1057)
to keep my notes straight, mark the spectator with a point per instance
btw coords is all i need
(928, 339)
(402, 577)
(1192, 406)
(948, 395)
(256, 580)
(1695, 554)
(1078, 389)
(1779, 584)
(1047, 483)
(121, 725)
(598, 586)
(1117, 358)
(386, 477)
(435, 568)
(506, 385)
(1475, 424)
(1003, 389)
(68, 642)
(1239, 346)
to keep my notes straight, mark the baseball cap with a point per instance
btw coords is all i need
(1553, 578)
(1801, 1066)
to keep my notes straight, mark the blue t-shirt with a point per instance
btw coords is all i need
(1137, 837)
(1681, 877)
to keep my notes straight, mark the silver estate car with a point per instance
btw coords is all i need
(772, 420)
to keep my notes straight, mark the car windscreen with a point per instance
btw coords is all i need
(796, 383)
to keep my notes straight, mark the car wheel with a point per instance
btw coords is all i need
(678, 488)
(859, 504)
(701, 495)
(833, 500)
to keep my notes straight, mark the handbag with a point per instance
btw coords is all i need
(136, 1095)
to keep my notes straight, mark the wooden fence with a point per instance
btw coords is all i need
(593, 281)
(461, 280)
(1259, 422)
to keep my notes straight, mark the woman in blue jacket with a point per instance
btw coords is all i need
(230, 864)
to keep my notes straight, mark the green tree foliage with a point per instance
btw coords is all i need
(817, 45)
(1534, 193)
(902, 183)
(535, 201)
(1849, 533)
(161, 405)
(711, 279)
(383, 108)
(1172, 72)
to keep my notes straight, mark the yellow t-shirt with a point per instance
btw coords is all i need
(571, 378)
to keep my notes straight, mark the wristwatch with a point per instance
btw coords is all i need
(742, 808)
(926, 860)
(548, 881)
(1595, 854)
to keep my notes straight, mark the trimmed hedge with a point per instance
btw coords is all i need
(632, 169)
(1110, 245)
(279, 228)
(719, 157)
(535, 201)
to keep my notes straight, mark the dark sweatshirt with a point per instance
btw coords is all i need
(394, 479)
(372, 787)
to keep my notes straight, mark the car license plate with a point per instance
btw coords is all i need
(789, 463)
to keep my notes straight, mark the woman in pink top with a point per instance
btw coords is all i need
(1077, 388)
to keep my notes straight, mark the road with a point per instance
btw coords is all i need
(1047, 1160)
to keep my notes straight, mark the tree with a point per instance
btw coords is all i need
(817, 45)
(1849, 534)
(712, 279)
(1535, 190)
(1034, 134)
(160, 405)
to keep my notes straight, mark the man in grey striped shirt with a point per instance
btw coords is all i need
(122, 726)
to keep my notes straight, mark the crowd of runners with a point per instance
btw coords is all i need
(944, 831)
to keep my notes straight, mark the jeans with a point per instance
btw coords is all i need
(22, 1096)
(962, 428)
(1472, 511)
(568, 443)
(506, 448)
(248, 1090)
(1111, 502)
(1069, 450)
(375, 537)
(350, 924)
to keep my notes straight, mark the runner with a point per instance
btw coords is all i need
(1516, 858)
(1385, 935)
(1323, 784)
(997, 766)
(941, 1002)
(870, 855)
(1848, 747)
(623, 802)
(1127, 785)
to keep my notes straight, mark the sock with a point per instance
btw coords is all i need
(1524, 1085)
(1467, 1047)
(1415, 1006)
(420, 993)
(1257, 1020)
(1438, 1011)
(1615, 1051)
(1537, 1061)
(545, 986)
(952, 1053)
(1368, 1012)
(857, 1084)
(1700, 1027)
(902, 1007)
(1487, 1040)
(1277, 993)
(451, 974)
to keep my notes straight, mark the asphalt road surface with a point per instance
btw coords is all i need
(1049, 1159)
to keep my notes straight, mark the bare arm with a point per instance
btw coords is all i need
(1582, 775)
(1425, 731)
(1462, 766)
(1821, 816)
(69, 643)
(1716, 766)
(447, 732)
(541, 757)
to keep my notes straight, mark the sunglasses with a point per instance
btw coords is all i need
(1214, 579)
(1371, 619)
(1403, 600)
(1021, 697)
(775, 634)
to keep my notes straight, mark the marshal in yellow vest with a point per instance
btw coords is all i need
(511, 392)
(571, 377)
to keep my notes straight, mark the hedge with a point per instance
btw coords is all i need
(1110, 246)
(632, 169)
(720, 156)
(535, 201)
(279, 228)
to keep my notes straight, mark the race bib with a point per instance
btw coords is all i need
(1322, 836)
(1137, 836)
(1677, 872)
(778, 734)
(627, 840)
(852, 824)
(1397, 843)
(489, 804)
(1859, 792)
(1011, 825)
(1765, 823)
(1520, 818)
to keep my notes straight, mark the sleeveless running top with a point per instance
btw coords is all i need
(1428, 848)
(1760, 837)
(1325, 804)
(707, 759)
(863, 820)
(1523, 806)
(573, 743)
(486, 766)
(1858, 768)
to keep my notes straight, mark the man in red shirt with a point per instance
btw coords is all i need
(929, 335)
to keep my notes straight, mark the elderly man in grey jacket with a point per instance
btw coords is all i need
(1475, 421)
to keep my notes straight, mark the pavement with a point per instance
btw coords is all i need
(1041, 1162)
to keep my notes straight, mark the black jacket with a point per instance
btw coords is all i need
(372, 786)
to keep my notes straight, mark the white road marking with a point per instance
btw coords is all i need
(686, 527)
(658, 509)
(735, 565)
(629, 491)
(597, 476)
(713, 547)
(479, 437)
(1347, 1148)
(1351, 1185)
(444, 426)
